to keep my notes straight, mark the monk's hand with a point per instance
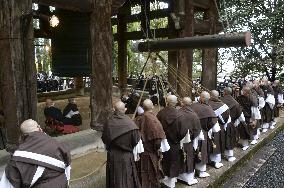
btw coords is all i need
(199, 155)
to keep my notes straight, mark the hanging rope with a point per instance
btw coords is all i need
(140, 99)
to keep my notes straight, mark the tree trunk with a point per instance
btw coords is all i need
(79, 86)
(101, 45)
(17, 67)
(185, 57)
(122, 52)
(209, 56)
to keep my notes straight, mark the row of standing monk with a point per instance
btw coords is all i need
(180, 142)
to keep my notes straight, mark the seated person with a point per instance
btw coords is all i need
(50, 111)
(71, 113)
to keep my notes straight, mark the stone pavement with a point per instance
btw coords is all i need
(271, 174)
(265, 169)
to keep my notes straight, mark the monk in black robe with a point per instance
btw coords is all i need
(261, 103)
(278, 95)
(123, 144)
(247, 101)
(172, 159)
(72, 114)
(152, 133)
(207, 120)
(39, 162)
(268, 111)
(222, 111)
(232, 130)
(188, 125)
(50, 111)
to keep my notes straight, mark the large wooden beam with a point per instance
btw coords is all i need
(207, 41)
(161, 13)
(17, 67)
(77, 5)
(101, 58)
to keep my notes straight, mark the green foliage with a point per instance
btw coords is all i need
(43, 54)
(265, 19)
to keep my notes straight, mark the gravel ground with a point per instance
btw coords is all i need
(271, 174)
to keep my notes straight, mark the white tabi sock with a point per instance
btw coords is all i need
(170, 182)
(229, 153)
(265, 126)
(244, 143)
(188, 178)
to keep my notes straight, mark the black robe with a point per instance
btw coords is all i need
(232, 134)
(220, 137)
(76, 119)
(207, 120)
(21, 170)
(246, 130)
(277, 91)
(152, 133)
(121, 135)
(173, 159)
(268, 113)
(189, 121)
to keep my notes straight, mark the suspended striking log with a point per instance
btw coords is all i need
(207, 41)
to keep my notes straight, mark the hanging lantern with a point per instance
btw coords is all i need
(54, 21)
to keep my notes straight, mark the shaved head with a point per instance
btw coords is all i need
(186, 101)
(265, 81)
(215, 94)
(246, 90)
(276, 82)
(119, 107)
(249, 85)
(228, 91)
(49, 102)
(204, 97)
(172, 100)
(255, 83)
(148, 105)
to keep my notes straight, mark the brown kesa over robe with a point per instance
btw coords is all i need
(148, 166)
(32, 157)
(207, 120)
(235, 113)
(121, 135)
(220, 137)
(189, 121)
(172, 159)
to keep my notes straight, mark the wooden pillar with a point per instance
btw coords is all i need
(79, 86)
(101, 58)
(210, 56)
(172, 55)
(122, 49)
(145, 23)
(185, 57)
(17, 67)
